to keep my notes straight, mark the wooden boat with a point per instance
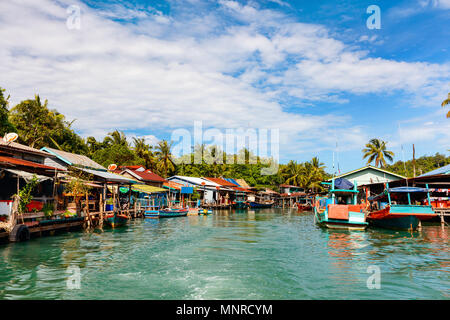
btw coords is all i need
(395, 213)
(116, 219)
(339, 209)
(240, 205)
(305, 204)
(240, 201)
(173, 212)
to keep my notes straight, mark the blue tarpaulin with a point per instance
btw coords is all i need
(187, 190)
(343, 184)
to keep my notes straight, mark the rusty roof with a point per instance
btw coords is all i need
(146, 175)
(25, 163)
(14, 146)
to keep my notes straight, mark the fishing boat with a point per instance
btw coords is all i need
(240, 201)
(240, 205)
(340, 208)
(173, 212)
(394, 208)
(116, 219)
(260, 205)
(305, 204)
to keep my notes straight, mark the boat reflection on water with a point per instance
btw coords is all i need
(343, 245)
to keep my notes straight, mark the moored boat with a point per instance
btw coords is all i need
(116, 219)
(339, 209)
(260, 205)
(173, 212)
(394, 208)
(240, 205)
(305, 204)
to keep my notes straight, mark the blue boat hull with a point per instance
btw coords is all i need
(398, 223)
(172, 213)
(256, 205)
(151, 214)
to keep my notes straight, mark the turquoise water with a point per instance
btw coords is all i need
(264, 254)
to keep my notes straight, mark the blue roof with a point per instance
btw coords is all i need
(232, 181)
(441, 170)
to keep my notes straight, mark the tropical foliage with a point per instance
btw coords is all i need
(423, 164)
(5, 125)
(446, 102)
(376, 151)
(25, 194)
(39, 126)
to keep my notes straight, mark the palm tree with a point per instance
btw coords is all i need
(376, 150)
(295, 173)
(144, 151)
(445, 103)
(164, 157)
(116, 138)
(315, 162)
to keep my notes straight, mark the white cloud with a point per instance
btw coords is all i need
(164, 72)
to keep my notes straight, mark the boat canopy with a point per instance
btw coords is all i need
(407, 189)
(398, 190)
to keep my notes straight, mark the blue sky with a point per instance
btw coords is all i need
(310, 69)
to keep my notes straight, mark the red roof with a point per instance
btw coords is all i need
(240, 189)
(130, 167)
(148, 176)
(222, 182)
(25, 163)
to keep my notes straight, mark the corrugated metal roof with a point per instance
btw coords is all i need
(21, 147)
(221, 182)
(441, 170)
(108, 176)
(74, 159)
(145, 175)
(195, 181)
(232, 181)
(367, 168)
(242, 183)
